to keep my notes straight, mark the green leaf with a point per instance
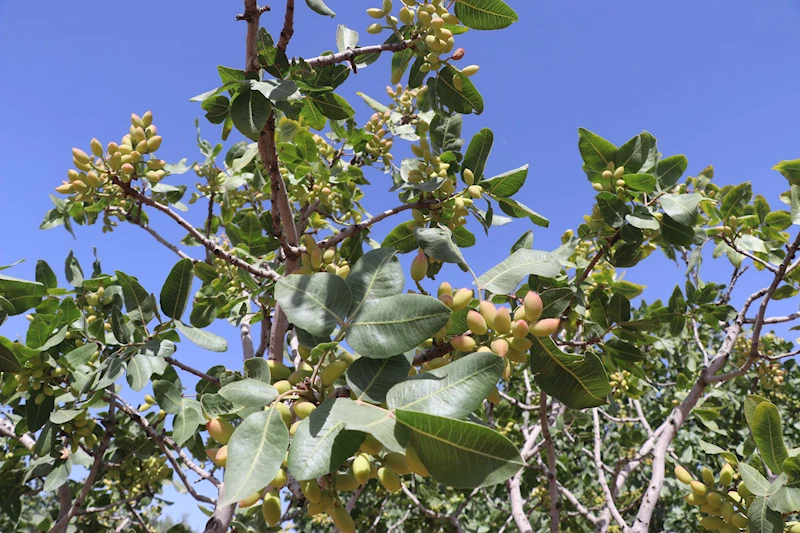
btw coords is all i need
(45, 275)
(312, 116)
(676, 233)
(345, 38)
(62, 416)
(452, 391)
(249, 393)
(485, 14)
(506, 184)
(518, 210)
(795, 203)
(175, 292)
(401, 239)
(73, 270)
(21, 294)
(186, 422)
(439, 244)
(57, 477)
(596, 151)
(624, 350)
(378, 422)
(371, 379)
(250, 110)
(506, 276)
(578, 382)
(619, 309)
(140, 369)
(138, 303)
(478, 152)
(377, 274)
(750, 404)
(762, 519)
(79, 356)
(735, 200)
(467, 100)
(331, 105)
(396, 324)
(277, 90)
(215, 405)
(168, 395)
(670, 169)
(317, 303)
(38, 415)
(321, 444)
(445, 132)
(318, 6)
(445, 446)
(255, 453)
(524, 242)
(682, 208)
(203, 338)
(257, 368)
(9, 361)
(766, 428)
(38, 332)
(640, 182)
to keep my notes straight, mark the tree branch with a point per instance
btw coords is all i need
(87, 484)
(288, 26)
(187, 368)
(551, 464)
(221, 520)
(139, 222)
(357, 228)
(261, 272)
(351, 53)
(601, 476)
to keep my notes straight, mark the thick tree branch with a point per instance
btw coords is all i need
(601, 476)
(288, 27)
(669, 428)
(221, 520)
(551, 464)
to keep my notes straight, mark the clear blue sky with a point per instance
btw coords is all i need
(716, 81)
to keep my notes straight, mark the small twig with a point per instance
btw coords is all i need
(187, 368)
(356, 228)
(352, 53)
(769, 266)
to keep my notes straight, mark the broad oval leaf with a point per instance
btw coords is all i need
(762, 519)
(372, 419)
(317, 303)
(576, 381)
(203, 338)
(138, 302)
(394, 325)
(318, 6)
(506, 184)
(21, 294)
(467, 100)
(377, 274)
(461, 454)
(453, 391)
(682, 208)
(371, 379)
(321, 444)
(139, 371)
(485, 14)
(767, 432)
(439, 244)
(186, 422)
(250, 110)
(255, 453)
(505, 277)
(478, 152)
(175, 292)
(249, 393)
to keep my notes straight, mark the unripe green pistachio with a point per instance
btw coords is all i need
(374, 28)
(502, 320)
(619, 172)
(476, 323)
(463, 343)
(97, 147)
(332, 372)
(476, 191)
(342, 520)
(220, 430)
(545, 327)
(361, 468)
(153, 143)
(500, 347)
(470, 70)
(419, 267)
(683, 475)
(389, 480)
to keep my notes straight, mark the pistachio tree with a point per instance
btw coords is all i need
(548, 393)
